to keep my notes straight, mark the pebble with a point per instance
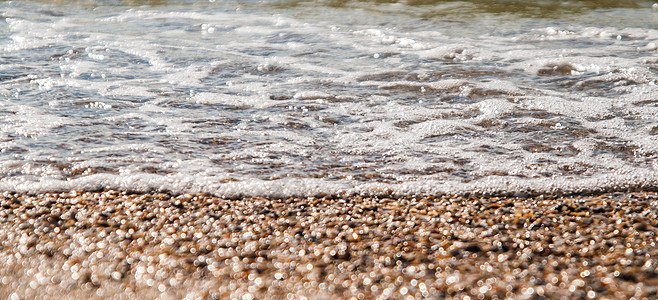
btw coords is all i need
(120, 245)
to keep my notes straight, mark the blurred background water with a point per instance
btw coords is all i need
(282, 98)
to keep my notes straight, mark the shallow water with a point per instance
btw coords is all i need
(303, 98)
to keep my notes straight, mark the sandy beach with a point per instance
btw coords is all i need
(135, 246)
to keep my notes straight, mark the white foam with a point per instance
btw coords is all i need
(294, 102)
(495, 108)
(313, 187)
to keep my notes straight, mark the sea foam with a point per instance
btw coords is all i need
(277, 102)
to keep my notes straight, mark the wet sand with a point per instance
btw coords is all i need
(136, 246)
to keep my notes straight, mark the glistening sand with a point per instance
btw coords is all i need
(136, 246)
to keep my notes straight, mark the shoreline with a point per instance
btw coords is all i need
(123, 245)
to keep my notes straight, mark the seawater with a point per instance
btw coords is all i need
(262, 98)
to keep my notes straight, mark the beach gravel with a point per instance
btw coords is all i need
(136, 246)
